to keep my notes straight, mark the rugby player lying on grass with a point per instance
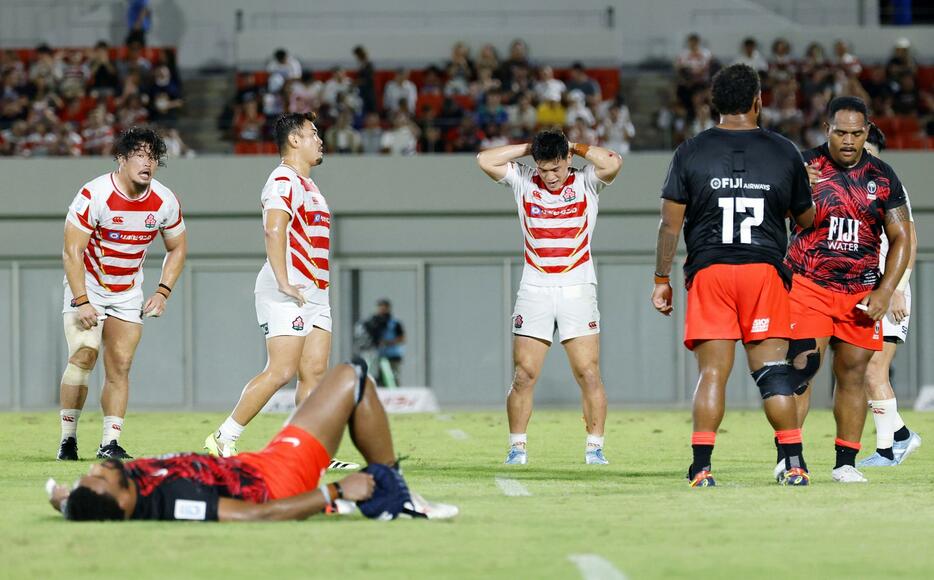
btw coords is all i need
(281, 482)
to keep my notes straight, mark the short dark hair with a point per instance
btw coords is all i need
(384, 302)
(280, 54)
(85, 505)
(855, 104)
(136, 138)
(549, 145)
(289, 123)
(734, 89)
(876, 137)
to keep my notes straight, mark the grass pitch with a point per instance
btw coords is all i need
(637, 513)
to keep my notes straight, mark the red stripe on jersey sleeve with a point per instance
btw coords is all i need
(84, 219)
(176, 223)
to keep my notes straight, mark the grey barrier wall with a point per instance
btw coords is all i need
(433, 234)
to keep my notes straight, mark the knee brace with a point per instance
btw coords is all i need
(775, 378)
(811, 366)
(78, 338)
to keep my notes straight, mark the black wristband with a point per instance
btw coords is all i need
(340, 491)
(161, 285)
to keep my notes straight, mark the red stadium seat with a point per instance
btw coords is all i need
(926, 78)
(247, 148)
(912, 142)
(432, 101)
(888, 125)
(466, 102)
(908, 125)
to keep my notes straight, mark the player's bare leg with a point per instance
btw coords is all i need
(528, 356)
(283, 354)
(714, 362)
(894, 441)
(777, 383)
(849, 405)
(313, 363)
(332, 405)
(803, 400)
(282, 357)
(83, 346)
(120, 339)
(584, 356)
(781, 411)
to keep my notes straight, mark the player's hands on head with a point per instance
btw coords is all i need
(155, 306)
(813, 174)
(661, 298)
(898, 307)
(358, 486)
(876, 303)
(87, 316)
(293, 291)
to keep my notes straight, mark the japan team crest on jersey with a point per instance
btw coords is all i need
(517, 322)
(569, 194)
(150, 221)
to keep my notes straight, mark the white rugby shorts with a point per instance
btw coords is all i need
(124, 305)
(280, 315)
(897, 332)
(569, 310)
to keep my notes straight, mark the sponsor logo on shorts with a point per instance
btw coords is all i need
(569, 194)
(150, 221)
(876, 330)
(871, 188)
(293, 441)
(160, 472)
(298, 323)
(118, 220)
(760, 324)
(265, 327)
(517, 321)
(593, 324)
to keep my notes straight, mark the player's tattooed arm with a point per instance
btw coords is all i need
(897, 214)
(669, 231)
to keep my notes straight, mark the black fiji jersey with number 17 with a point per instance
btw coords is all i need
(738, 187)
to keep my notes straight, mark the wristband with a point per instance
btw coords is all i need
(659, 279)
(339, 490)
(327, 494)
(903, 283)
(161, 285)
(75, 303)
(581, 149)
(163, 294)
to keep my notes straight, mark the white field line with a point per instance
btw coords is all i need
(458, 434)
(594, 567)
(512, 487)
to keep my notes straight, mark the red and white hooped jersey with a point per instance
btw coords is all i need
(557, 226)
(309, 229)
(122, 229)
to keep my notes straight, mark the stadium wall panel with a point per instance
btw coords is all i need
(433, 234)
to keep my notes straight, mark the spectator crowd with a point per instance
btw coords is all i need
(468, 103)
(797, 89)
(72, 102)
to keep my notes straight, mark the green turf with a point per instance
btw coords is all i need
(638, 513)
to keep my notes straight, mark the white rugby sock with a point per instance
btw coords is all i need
(518, 439)
(230, 430)
(113, 427)
(885, 416)
(594, 442)
(69, 419)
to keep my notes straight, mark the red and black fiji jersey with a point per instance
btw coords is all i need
(841, 251)
(738, 187)
(188, 486)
